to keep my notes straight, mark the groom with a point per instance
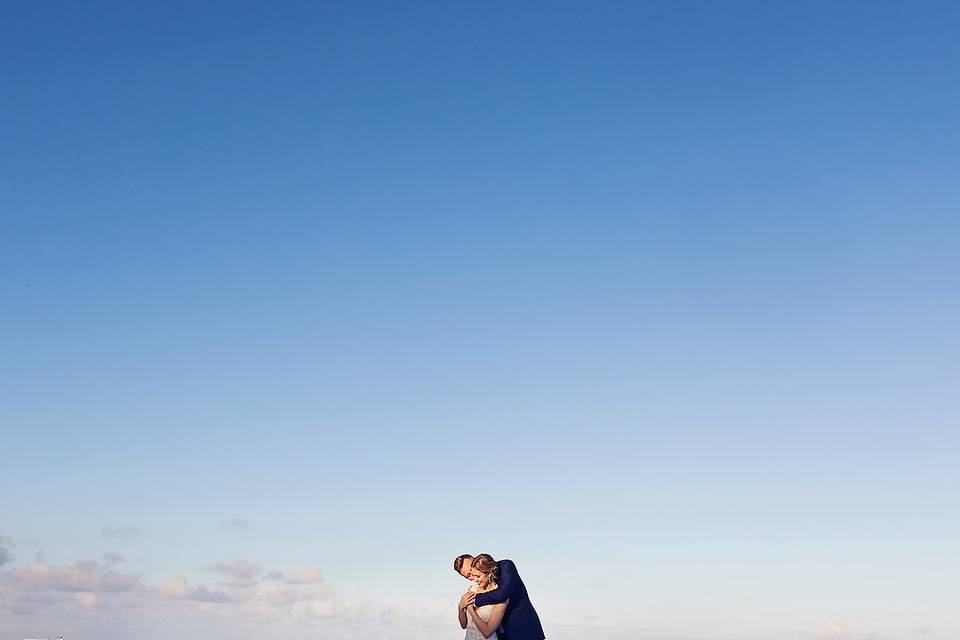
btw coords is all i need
(520, 620)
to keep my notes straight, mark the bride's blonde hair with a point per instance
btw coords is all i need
(485, 564)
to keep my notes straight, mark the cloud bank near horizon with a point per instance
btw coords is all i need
(95, 597)
(86, 599)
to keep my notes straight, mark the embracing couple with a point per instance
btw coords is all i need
(497, 605)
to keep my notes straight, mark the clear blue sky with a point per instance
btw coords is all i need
(658, 299)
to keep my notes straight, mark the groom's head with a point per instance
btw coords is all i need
(462, 565)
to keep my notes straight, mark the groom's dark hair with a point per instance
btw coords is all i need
(458, 561)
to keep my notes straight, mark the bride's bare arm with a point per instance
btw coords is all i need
(491, 624)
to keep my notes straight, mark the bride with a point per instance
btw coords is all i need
(482, 623)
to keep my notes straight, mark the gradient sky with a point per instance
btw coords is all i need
(301, 300)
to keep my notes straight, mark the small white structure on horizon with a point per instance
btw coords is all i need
(58, 638)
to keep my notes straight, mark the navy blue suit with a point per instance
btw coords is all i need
(520, 620)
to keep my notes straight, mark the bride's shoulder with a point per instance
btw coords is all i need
(473, 588)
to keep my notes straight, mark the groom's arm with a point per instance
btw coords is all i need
(508, 578)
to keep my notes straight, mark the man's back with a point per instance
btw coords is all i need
(520, 620)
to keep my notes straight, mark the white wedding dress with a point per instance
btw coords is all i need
(484, 612)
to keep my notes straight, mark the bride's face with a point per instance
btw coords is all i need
(482, 579)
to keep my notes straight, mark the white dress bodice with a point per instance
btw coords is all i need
(484, 612)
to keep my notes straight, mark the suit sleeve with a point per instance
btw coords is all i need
(508, 578)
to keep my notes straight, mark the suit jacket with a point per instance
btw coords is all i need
(520, 620)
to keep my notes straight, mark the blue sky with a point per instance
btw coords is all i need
(657, 299)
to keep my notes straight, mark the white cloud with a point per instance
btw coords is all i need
(125, 532)
(306, 575)
(86, 599)
(95, 601)
(178, 588)
(173, 588)
(238, 523)
(5, 555)
(80, 575)
(240, 571)
(91, 592)
(839, 627)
